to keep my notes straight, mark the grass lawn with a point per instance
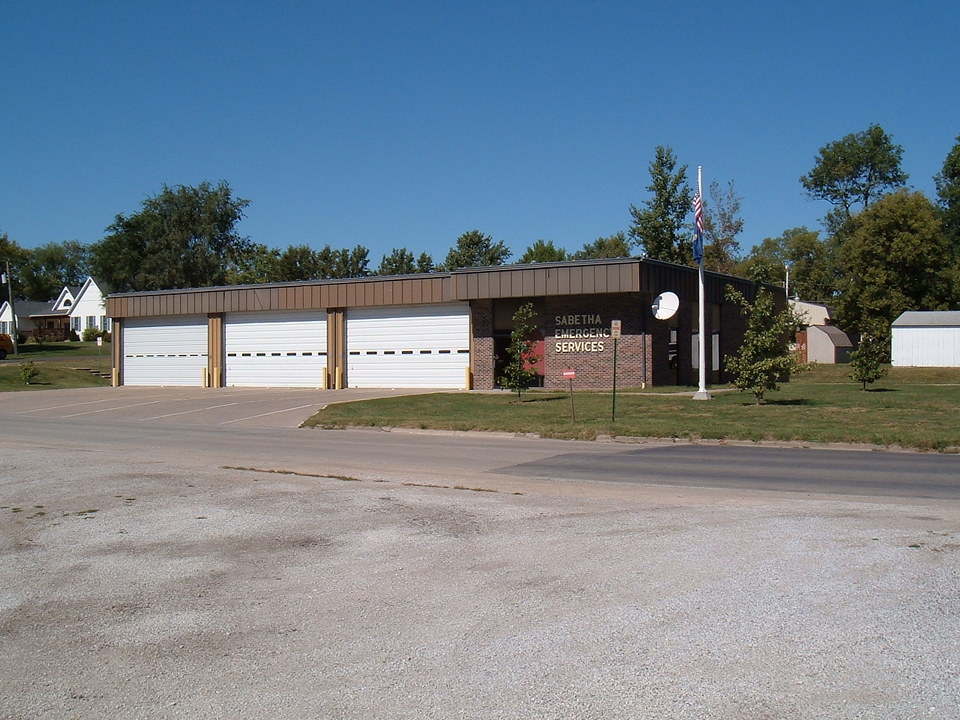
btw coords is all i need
(57, 363)
(35, 351)
(911, 407)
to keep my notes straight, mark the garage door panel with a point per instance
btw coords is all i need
(280, 349)
(165, 351)
(418, 346)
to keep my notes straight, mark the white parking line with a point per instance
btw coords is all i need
(60, 407)
(275, 412)
(120, 407)
(186, 412)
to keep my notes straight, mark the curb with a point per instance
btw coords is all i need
(662, 442)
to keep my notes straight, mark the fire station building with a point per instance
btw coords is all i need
(439, 330)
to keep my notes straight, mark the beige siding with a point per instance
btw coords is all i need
(580, 278)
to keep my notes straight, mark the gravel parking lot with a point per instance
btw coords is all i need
(134, 588)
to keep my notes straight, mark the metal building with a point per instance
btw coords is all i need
(926, 339)
(438, 330)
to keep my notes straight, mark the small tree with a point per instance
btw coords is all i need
(866, 362)
(765, 355)
(518, 373)
(28, 371)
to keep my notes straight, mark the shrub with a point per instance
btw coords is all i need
(28, 371)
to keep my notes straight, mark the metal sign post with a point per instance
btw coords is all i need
(13, 311)
(571, 376)
(615, 334)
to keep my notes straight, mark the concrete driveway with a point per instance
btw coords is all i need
(209, 407)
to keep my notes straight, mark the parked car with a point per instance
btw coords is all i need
(6, 345)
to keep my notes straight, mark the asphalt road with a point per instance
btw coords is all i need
(258, 428)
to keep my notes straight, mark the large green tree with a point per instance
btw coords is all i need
(399, 261)
(256, 264)
(721, 226)
(614, 246)
(543, 251)
(855, 171)
(183, 237)
(896, 257)
(659, 226)
(299, 262)
(475, 249)
(49, 267)
(351, 263)
(811, 262)
(948, 193)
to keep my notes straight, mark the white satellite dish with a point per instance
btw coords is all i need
(665, 306)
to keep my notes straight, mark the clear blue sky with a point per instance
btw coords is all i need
(405, 124)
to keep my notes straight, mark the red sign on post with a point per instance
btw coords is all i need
(569, 374)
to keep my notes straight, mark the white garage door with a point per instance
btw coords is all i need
(165, 350)
(408, 346)
(280, 349)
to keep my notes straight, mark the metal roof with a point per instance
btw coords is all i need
(930, 318)
(836, 336)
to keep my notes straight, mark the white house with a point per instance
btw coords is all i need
(926, 339)
(25, 309)
(73, 309)
(88, 309)
(812, 313)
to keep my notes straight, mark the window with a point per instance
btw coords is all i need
(75, 324)
(4, 327)
(91, 321)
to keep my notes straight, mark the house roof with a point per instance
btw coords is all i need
(836, 336)
(929, 318)
(30, 308)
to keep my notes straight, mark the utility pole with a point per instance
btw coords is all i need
(13, 311)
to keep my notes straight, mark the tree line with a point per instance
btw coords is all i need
(883, 247)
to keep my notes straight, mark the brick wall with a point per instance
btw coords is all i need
(481, 355)
(577, 336)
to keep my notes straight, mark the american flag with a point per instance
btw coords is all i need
(698, 240)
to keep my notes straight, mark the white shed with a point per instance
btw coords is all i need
(926, 339)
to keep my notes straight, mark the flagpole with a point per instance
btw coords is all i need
(701, 393)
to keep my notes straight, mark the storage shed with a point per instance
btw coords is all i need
(926, 339)
(827, 345)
